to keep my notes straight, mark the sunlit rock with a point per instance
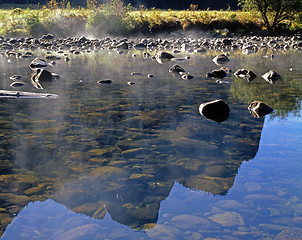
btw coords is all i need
(161, 55)
(259, 109)
(216, 110)
(221, 59)
(249, 75)
(176, 69)
(271, 77)
(38, 63)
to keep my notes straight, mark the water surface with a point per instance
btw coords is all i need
(119, 161)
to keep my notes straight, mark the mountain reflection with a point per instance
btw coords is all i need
(119, 149)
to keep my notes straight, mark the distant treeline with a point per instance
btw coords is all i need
(159, 4)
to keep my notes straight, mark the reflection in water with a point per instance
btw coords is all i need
(119, 149)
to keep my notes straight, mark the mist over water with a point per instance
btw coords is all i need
(120, 161)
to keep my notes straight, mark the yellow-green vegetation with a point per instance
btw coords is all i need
(115, 18)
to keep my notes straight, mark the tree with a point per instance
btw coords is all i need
(273, 12)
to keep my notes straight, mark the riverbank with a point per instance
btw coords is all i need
(68, 22)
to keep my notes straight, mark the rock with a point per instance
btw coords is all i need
(164, 55)
(38, 63)
(271, 77)
(259, 109)
(220, 59)
(228, 219)
(150, 75)
(186, 76)
(135, 73)
(53, 57)
(17, 84)
(187, 221)
(290, 234)
(249, 75)
(80, 232)
(176, 69)
(123, 45)
(41, 78)
(105, 81)
(15, 77)
(217, 74)
(216, 110)
(130, 83)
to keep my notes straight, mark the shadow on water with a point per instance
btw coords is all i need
(119, 149)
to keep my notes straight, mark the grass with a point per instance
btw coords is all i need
(65, 22)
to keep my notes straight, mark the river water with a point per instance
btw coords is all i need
(138, 161)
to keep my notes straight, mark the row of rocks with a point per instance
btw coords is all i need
(187, 44)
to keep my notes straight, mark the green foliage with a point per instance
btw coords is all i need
(111, 17)
(273, 12)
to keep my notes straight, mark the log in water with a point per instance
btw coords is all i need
(20, 94)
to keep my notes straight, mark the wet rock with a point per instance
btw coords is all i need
(123, 45)
(135, 73)
(228, 219)
(53, 58)
(164, 55)
(187, 76)
(271, 77)
(150, 75)
(38, 63)
(221, 59)
(217, 74)
(290, 234)
(216, 110)
(17, 84)
(41, 78)
(259, 109)
(176, 69)
(105, 81)
(249, 75)
(15, 77)
(130, 83)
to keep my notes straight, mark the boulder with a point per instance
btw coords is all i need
(38, 63)
(164, 55)
(217, 74)
(41, 78)
(220, 59)
(216, 110)
(271, 77)
(249, 75)
(176, 69)
(259, 109)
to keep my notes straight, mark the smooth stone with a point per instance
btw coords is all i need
(187, 221)
(17, 84)
(105, 81)
(228, 219)
(220, 59)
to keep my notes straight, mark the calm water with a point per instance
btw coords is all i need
(119, 161)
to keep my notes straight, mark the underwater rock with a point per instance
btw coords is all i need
(220, 59)
(228, 219)
(249, 75)
(41, 78)
(259, 109)
(271, 77)
(216, 110)
(290, 234)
